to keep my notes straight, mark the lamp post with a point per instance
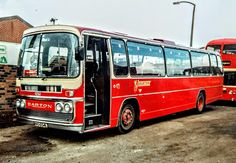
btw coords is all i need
(193, 17)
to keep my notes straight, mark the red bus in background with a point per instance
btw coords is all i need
(227, 49)
(84, 80)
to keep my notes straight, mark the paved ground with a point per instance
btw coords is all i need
(185, 137)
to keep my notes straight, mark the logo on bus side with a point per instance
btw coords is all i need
(138, 84)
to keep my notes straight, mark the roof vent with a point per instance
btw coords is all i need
(165, 41)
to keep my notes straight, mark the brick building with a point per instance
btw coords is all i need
(12, 28)
(11, 31)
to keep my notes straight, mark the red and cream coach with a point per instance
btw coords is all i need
(84, 80)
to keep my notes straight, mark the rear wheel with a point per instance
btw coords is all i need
(200, 104)
(126, 119)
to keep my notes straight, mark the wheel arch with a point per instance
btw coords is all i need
(134, 102)
(204, 93)
(201, 96)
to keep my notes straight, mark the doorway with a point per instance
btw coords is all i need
(97, 82)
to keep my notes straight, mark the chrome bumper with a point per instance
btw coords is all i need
(62, 126)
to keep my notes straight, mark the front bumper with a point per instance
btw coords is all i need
(62, 126)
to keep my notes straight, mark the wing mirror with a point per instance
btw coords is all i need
(79, 54)
(19, 71)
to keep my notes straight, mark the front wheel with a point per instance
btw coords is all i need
(126, 119)
(200, 104)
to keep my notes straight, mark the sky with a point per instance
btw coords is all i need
(141, 18)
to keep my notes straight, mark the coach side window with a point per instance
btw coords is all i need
(200, 64)
(146, 59)
(119, 57)
(177, 62)
(213, 64)
(219, 65)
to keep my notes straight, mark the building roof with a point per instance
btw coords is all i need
(15, 17)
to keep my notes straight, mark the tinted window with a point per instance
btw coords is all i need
(177, 62)
(229, 49)
(200, 63)
(119, 57)
(146, 59)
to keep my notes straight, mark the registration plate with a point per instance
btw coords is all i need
(41, 125)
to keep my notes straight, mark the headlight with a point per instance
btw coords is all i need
(59, 107)
(17, 103)
(22, 103)
(62, 107)
(68, 107)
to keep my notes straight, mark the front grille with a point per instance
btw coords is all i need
(41, 88)
(46, 115)
(230, 78)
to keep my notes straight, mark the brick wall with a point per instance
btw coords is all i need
(12, 28)
(7, 92)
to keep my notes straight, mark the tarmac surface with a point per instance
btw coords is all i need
(183, 137)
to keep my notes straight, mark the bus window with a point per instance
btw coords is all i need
(214, 48)
(30, 56)
(177, 62)
(119, 57)
(146, 59)
(219, 65)
(229, 49)
(200, 64)
(213, 64)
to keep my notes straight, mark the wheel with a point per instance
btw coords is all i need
(200, 104)
(126, 119)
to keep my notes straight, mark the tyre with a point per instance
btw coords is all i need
(201, 102)
(126, 119)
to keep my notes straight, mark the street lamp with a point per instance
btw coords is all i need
(193, 16)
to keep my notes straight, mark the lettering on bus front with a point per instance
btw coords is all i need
(39, 105)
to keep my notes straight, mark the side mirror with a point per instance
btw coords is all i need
(19, 71)
(79, 54)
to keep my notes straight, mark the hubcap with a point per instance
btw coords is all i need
(127, 118)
